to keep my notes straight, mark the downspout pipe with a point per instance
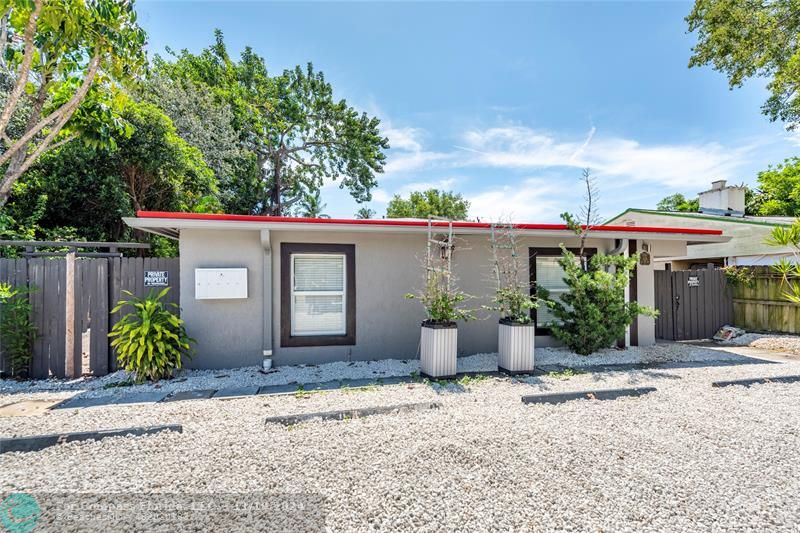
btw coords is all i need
(619, 246)
(266, 322)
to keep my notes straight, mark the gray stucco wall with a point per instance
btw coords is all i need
(229, 332)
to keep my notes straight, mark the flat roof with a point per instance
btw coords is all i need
(757, 221)
(170, 223)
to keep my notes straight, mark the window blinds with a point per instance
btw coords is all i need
(318, 294)
(550, 276)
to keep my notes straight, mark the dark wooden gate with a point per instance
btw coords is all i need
(692, 304)
(99, 283)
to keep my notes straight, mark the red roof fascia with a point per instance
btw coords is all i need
(408, 223)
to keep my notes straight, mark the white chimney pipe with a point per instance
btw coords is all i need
(722, 199)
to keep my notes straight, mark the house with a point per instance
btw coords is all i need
(721, 207)
(320, 290)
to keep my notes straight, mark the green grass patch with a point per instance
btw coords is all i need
(565, 374)
(116, 384)
(469, 379)
(302, 394)
(353, 390)
(463, 381)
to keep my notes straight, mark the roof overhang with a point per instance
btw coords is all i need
(170, 225)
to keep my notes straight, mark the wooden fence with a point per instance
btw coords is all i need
(98, 286)
(761, 306)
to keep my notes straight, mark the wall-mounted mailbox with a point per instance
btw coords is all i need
(220, 283)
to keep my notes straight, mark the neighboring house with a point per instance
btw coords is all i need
(722, 208)
(320, 290)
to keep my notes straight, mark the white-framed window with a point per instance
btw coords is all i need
(318, 294)
(546, 272)
(549, 275)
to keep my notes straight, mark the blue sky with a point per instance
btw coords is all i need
(505, 103)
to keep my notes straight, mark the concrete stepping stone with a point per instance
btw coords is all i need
(610, 394)
(346, 414)
(395, 380)
(139, 397)
(39, 442)
(756, 381)
(334, 385)
(327, 385)
(356, 383)
(279, 389)
(236, 392)
(79, 403)
(546, 369)
(27, 408)
(201, 394)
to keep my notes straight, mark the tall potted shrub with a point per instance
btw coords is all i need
(594, 313)
(442, 301)
(512, 299)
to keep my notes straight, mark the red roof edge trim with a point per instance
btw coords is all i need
(408, 223)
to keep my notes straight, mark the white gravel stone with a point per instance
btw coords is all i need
(686, 458)
(251, 376)
(782, 343)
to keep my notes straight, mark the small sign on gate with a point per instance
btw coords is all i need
(156, 278)
(694, 281)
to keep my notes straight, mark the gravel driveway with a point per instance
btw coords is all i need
(689, 457)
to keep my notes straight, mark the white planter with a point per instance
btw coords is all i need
(438, 351)
(516, 348)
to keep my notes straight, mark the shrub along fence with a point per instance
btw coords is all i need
(760, 306)
(98, 285)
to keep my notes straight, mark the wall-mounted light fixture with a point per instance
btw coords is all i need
(644, 255)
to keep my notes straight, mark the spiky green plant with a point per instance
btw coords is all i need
(151, 340)
(788, 269)
(17, 330)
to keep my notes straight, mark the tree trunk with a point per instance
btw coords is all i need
(13, 170)
(25, 67)
(60, 116)
(275, 194)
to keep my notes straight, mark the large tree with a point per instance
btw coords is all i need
(747, 38)
(677, 203)
(312, 206)
(206, 123)
(84, 191)
(61, 60)
(780, 189)
(299, 135)
(424, 204)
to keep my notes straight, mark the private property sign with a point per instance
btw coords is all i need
(156, 278)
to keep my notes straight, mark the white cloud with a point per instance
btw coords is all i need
(622, 166)
(793, 133)
(381, 196)
(398, 163)
(677, 165)
(445, 184)
(528, 201)
(407, 139)
(406, 153)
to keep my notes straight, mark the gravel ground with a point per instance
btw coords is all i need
(689, 457)
(251, 376)
(660, 353)
(783, 343)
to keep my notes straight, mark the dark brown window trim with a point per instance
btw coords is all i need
(349, 338)
(533, 253)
